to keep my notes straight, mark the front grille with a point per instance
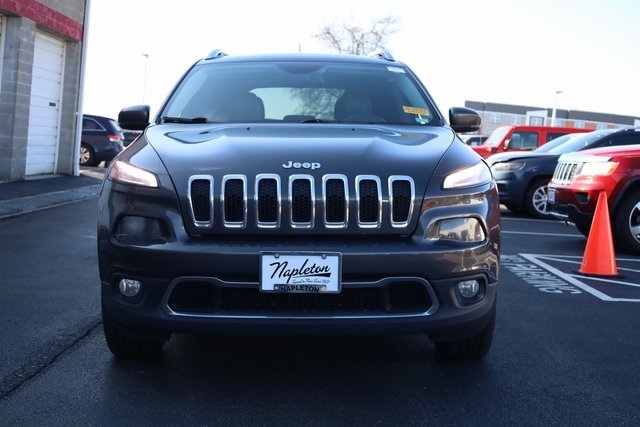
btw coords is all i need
(299, 201)
(565, 172)
(208, 298)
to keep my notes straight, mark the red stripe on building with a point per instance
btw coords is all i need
(44, 16)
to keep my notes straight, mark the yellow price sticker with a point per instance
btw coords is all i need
(416, 110)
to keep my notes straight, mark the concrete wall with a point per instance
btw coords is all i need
(64, 20)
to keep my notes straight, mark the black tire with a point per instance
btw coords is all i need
(126, 346)
(584, 229)
(626, 223)
(511, 207)
(535, 199)
(472, 348)
(87, 156)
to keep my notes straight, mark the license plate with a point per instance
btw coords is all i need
(300, 272)
(551, 195)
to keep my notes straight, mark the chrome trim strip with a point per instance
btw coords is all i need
(392, 179)
(379, 283)
(302, 224)
(345, 183)
(268, 224)
(201, 224)
(234, 224)
(369, 224)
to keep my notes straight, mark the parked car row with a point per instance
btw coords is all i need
(521, 138)
(580, 177)
(102, 139)
(563, 178)
(522, 177)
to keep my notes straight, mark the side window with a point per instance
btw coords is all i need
(88, 124)
(553, 135)
(524, 140)
(624, 139)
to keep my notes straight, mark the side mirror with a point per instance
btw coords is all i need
(464, 119)
(134, 118)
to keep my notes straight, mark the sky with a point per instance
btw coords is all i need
(513, 52)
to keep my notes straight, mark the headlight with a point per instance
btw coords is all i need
(507, 166)
(598, 168)
(126, 173)
(475, 175)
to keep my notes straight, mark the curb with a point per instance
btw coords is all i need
(29, 204)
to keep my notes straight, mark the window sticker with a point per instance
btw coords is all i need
(423, 115)
(416, 110)
(396, 70)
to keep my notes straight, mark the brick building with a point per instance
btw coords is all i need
(41, 53)
(495, 115)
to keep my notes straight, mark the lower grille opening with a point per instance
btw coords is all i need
(201, 297)
(196, 297)
(407, 296)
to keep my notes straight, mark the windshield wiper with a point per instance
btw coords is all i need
(167, 119)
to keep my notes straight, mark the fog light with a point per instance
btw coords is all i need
(466, 229)
(468, 288)
(129, 287)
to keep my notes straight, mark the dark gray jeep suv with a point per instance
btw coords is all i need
(304, 194)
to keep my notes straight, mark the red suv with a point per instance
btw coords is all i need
(521, 138)
(579, 178)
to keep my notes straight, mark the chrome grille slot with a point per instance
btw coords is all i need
(401, 198)
(268, 197)
(302, 200)
(336, 198)
(369, 201)
(234, 201)
(201, 200)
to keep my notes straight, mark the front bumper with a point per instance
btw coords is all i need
(510, 189)
(210, 284)
(576, 206)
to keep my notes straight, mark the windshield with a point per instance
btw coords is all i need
(555, 142)
(578, 142)
(497, 136)
(308, 92)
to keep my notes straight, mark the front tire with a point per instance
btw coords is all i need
(472, 348)
(627, 223)
(536, 199)
(126, 346)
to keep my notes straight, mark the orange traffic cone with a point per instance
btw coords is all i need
(599, 257)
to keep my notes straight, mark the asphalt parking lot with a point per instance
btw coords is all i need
(548, 255)
(564, 351)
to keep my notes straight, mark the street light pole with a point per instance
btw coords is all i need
(555, 106)
(144, 82)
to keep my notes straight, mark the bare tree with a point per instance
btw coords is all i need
(349, 37)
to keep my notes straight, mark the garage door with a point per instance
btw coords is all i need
(44, 111)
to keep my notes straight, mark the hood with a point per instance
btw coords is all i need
(217, 154)
(517, 155)
(188, 150)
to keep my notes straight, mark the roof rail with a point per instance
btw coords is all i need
(382, 54)
(216, 53)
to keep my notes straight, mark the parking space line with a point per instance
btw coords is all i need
(573, 278)
(543, 234)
